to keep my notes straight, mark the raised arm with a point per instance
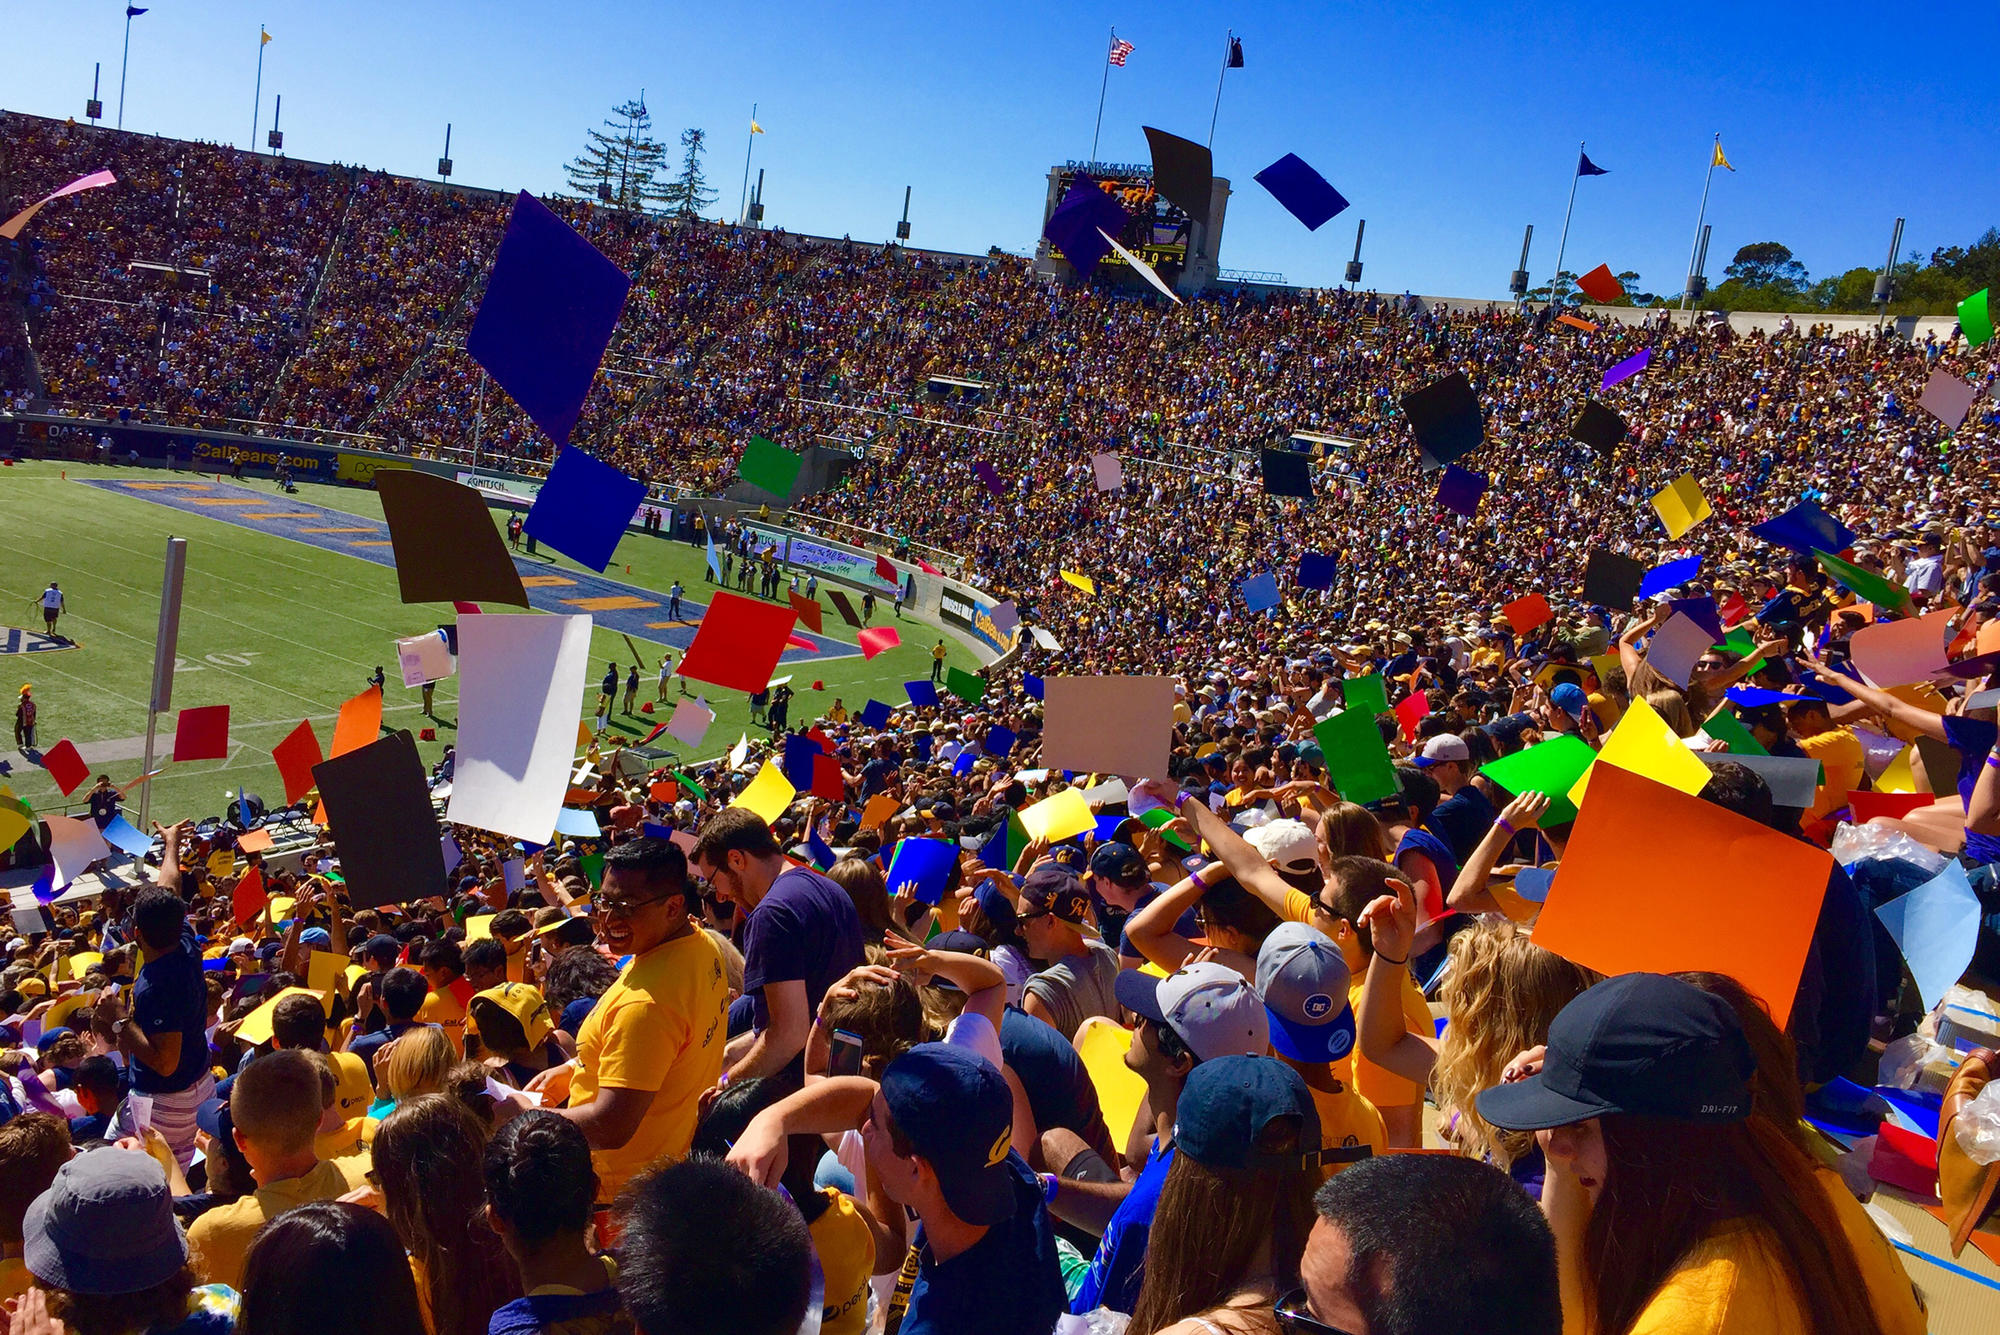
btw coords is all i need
(1899, 711)
(1392, 926)
(1470, 893)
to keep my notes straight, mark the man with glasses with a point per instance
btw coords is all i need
(654, 1041)
(1424, 1244)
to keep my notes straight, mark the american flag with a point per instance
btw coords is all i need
(1120, 48)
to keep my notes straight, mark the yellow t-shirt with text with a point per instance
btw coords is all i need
(1347, 1120)
(661, 1027)
(846, 1251)
(441, 1008)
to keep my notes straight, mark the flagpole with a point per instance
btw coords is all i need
(257, 97)
(1699, 218)
(1103, 88)
(1575, 176)
(123, 65)
(1220, 75)
(744, 207)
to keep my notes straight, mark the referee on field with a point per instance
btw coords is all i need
(52, 607)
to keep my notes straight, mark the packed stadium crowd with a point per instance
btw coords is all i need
(1161, 1069)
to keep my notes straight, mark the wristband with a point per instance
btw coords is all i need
(1505, 824)
(1398, 963)
(1050, 1185)
(1993, 759)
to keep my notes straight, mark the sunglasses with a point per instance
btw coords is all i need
(1033, 914)
(1294, 1319)
(625, 908)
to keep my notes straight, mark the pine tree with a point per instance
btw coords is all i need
(689, 193)
(622, 163)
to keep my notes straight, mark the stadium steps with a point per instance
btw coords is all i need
(312, 302)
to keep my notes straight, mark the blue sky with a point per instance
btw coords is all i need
(1449, 125)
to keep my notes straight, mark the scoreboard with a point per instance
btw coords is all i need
(1158, 232)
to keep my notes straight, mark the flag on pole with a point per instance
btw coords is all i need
(133, 11)
(1718, 160)
(1120, 48)
(755, 128)
(1236, 53)
(1585, 167)
(263, 38)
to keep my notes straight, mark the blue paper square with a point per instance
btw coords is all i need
(583, 507)
(550, 306)
(1701, 611)
(923, 747)
(1316, 571)
(798, 762)
(1669, 575)
(1532, 884)
(1936, 926)
(999, 741)
(652, 829)
(1460, 489)
(966, 760)
(1805, 527)
(922, 694)
(1031, 684)
(1260, 591)
(1305, 194)
(925, 864)
(121, 835)
(1752, 696)
(1073, 227)
(577, 824)
(875, 715)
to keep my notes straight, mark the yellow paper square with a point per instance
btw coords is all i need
(256, 1026)
(479, 927)
(1058, 818)
(1899, 777)
(1084, 582)
(1680, 505)
(325, 970)
(1602, 665)
(768, 794)
(1644, 744)
(81, 962)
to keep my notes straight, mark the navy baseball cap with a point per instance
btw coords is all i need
(1640, 1043)
(1056, 890)
(1227, 1104)
(955, 1109)
(1118, 861)
(999, 909)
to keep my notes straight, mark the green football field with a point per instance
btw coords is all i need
(282, 631)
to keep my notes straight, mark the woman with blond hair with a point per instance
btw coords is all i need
(417, 1064)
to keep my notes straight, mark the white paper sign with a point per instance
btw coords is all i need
(521, 682)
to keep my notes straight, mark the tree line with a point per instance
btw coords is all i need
(624, 166)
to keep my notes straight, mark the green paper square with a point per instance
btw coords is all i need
(1157, 819)
(1550, 768)
(1863, 584)
(1368, 694)
(685, 782)
(593, 869)
(964, 685)
(1357, 760)
(1975, 317)
(770, 466)
(1725, 727)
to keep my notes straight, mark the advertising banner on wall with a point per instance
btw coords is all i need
(969, 613)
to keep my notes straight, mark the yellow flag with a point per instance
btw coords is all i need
(755, 128)
(263, 38)
(1719, 160)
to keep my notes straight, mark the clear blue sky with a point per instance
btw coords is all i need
(1449, 125)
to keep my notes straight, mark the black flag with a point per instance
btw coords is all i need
(1236, 53)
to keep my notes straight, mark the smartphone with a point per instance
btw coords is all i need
(846, 1056)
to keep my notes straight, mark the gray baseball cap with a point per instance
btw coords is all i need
(1302, 978)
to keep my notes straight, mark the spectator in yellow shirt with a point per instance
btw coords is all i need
(444, 970)
(1835, 748)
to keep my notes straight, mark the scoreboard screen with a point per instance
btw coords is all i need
(1157, 232)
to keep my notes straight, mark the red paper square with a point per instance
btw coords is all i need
(885, 570)
(296, 756)
(1524, 614)
(1410, 710)
(202, 734)
(878, 639)
(1601, 286)
(738, 643)
(65, 766)
(249, 898)
(809, 611)
(1864, 807)
(827, 781)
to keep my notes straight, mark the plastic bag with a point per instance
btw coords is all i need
(1916, 1062)
(1856, 843)
(1977, 1127)
(1102, 1321)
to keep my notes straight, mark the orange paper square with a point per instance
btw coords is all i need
(1656, 881)
(359, 723)
(1524, 614)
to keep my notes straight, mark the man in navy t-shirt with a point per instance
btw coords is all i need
(164, 1040)
(801, 935)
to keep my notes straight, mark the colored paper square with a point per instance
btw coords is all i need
(1084, 582)
(1676, 646)
(1108, 725)
(768, 794)
(1643, 743)
(1626, 369)
(575, 824)
(1793, 780)
(1975, 317)
(922, 868)
(1612, 580)
(1411, 710)
(1936, 926)
(1550, 768)
(65, 765)
(1704, 614)
(770, 466)
(1864, 584)
(827, 780)
(1369, 694)
(1260, 592)
(999, 741)
(1357, 759)
(202, 734)
(738, 643)
(1680, 505)
(296, 756)
(964, 685)
(1034, 686)
(1862, 807)
(1805, 527)
(1524, 614)
(1947, 398)
(1108, 473)
(1723, 726)
(360, 721)
(1316, 571)
(1445, 417)
(520, 679)
(809, 612)
(922, 694)
(551, 304)
(1601, 285)
(1459, 490)
(690, 722)
(1598, 426)
(583, 507)
(1618, 907)
(121, 835)
(1061, 816)
(1286, 473)
(1076, 222)
(878, 639)
(1303, 192)
(1183, 172)
(844, 607)
(1898, 653)
(378, 805)
(447, 546)
(987, 474)
(875, 715)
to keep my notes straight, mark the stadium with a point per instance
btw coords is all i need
(434, 597)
